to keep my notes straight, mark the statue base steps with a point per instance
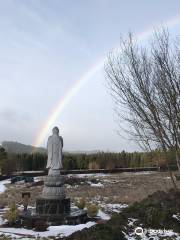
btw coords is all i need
(73, 217)
(52, 206)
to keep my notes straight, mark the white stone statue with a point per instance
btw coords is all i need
(54, 148)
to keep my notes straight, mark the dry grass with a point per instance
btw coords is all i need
(124, 187)
(118, 188)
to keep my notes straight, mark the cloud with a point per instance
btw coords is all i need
(15, 126)
(10, 116)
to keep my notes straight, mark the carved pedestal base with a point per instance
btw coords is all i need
(53, 200)
(52, 206)
(54, 187)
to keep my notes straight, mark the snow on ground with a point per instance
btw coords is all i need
(142, 172)
(95, 175)
(61, 231)
(71, 186)
(131, 221)
(1, 220)
(167, 178)
(19, 173)
(176, 216)
(153, 234)
(96, 184)
(103, 215)
(113, 207)
(86, 175)
(112, 181)
(39, 178)
(149, 233)
(2, 185)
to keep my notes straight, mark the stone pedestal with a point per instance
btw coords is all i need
(53, 187)
(53, 200)
(52, 206)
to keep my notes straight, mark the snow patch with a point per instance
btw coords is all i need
(2, 185)
(154, 234)
(96, 184)
(131, 221)
(71, 186)
(116, 207)
(61, 231)
(144, 172)
(103, 215)
(176, 216)
(39, 178)
(86, 175)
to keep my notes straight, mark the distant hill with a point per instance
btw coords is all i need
(15, 147)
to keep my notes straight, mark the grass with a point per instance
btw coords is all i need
(118, 188)
(121, 188)
(153, 212)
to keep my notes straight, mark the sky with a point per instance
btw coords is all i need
(46, 46)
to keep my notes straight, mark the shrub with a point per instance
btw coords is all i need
(12, 214)
(92, 210)
(157, 216)
(81, 203)
(4, 237)
(40, 226)
(177, 177)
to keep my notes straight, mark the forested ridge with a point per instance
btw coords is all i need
(11, 162)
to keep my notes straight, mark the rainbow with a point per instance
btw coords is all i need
(98, 66)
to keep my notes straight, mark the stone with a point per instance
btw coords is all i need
(54, 147)
(54, 187)
(53, 206)
(53, 200)
(54, 182)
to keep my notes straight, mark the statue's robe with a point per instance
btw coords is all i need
(54, 147)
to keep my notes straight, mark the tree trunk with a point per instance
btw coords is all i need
(178, 161)
(172, 177)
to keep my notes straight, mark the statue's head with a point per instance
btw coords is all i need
(55, 130)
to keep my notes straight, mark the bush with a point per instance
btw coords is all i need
(177, 177)
(40, 226)
(92, 210)
(81, 203)
(12, 214)
(4, 237)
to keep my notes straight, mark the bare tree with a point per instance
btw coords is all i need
(145, 84)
